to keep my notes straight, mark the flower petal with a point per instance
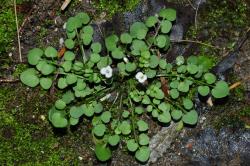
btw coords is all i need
(103, 71)
(138, 75)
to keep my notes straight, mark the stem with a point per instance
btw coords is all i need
(156, 33)
(81, 48)
(133, 119)
(176, 104)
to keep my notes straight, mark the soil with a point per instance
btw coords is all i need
(27, 137)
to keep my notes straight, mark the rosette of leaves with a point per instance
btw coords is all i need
(166, 95)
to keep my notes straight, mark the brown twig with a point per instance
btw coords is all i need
(18, 35)
(8, 80)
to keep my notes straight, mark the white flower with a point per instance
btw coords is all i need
(125, 59)
(141, 77)
(107, 71)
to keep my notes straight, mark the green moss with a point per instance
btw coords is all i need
(26, 139)
(114, 6)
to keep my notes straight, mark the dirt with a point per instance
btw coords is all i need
(24, 129)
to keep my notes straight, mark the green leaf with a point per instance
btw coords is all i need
(125, 128)
(40, 64)
(126, 38)
(142, 154)
(163, 64)
(102, 152)
(110, 42)
(139, 110)
(99, 130)
(76, 112)
(149, 108)
(105, 61)
(69, 43)
(73, 121)
(96, 47)
(143, 139)
(174, 93)
(192, 60)
(166, 26)
(151, 21)
(220, 90)
(69, 56)
(67, 65)
(113, 140)
(68, 97)
(58, 120)
(183, 87)
(174, 84)
(95, 58)
(182, 69)
(45, 83)
(72, 24)
(71, 35)
(125, 114)
(50, 52)
(60, 104)
(165, 117)
(80, 85)
(88, 30)
(176, 114)
(159, 94)
(47, 69)
(62, 83)
(117, 53)
(138, 30)
(84, 17)
(29, 78)
(71, 79)
(132, 145)
(86, 38)
(161, 41)
(188, 104)
(78, 66)
(130, 66)
(98, 108)
(142, 125)
(106, 116)
(169, 14)
(88, 110)
(150, 73)
(155, 113)
(146, 100)
(138, 46)
(203, 90)
(154, 61)
(164, 106)
(34, 56)
(192, 69)
(190, 118)
(210, 78)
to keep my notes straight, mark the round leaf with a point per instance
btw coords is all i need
(203, 90)
(45, 83)
(210, 78)
(102, 153)
(132, 145)
(166, 26)
(151, 21)
(142, 125)
(169, 14)
(176, 114)
(190, 118)
(99, 130)
(220, 90)
(106, 116)
(34, 56)
(188, 104)
(69, 43)
(142, 154)
(174, 93)
(50, 52)
(143, 139)
(114, 140)
(126, 38)
(60, 104)
(96, 47)
(29, 78)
